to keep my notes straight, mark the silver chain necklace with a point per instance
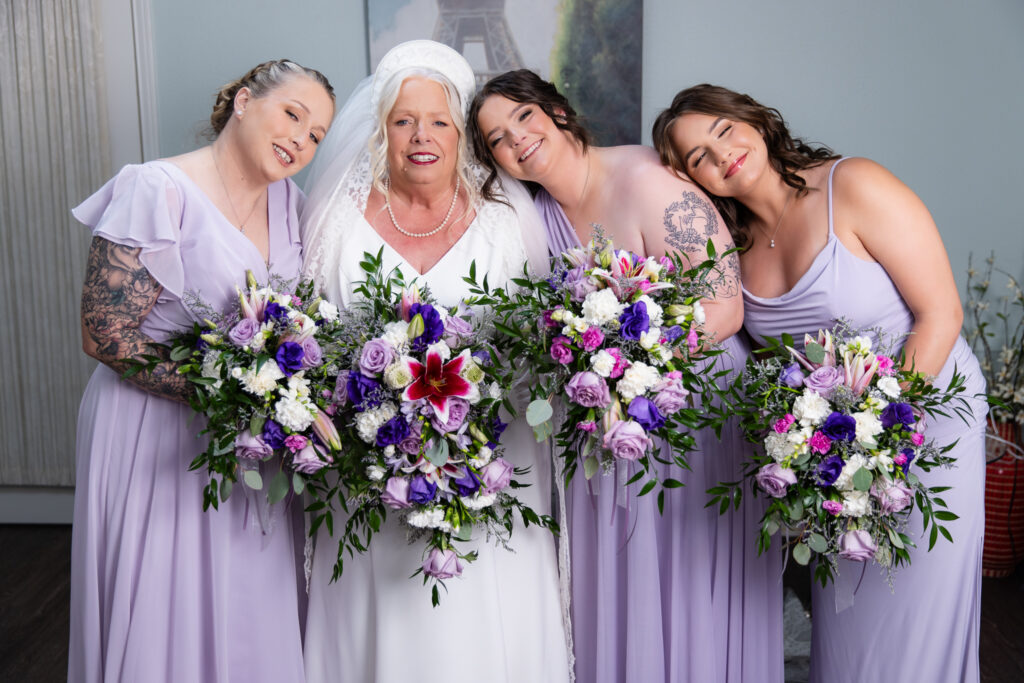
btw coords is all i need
(399, 228)
(241, 226)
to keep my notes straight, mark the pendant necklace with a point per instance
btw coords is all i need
(231, 203)
(771, 237)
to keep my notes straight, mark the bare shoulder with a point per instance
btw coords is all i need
(862, 185)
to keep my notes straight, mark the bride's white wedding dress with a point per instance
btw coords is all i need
(501, 621)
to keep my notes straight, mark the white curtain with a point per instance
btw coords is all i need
(53, 154)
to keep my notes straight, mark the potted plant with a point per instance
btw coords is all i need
(994, 326)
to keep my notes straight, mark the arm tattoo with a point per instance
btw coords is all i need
(118, 293)
(690, 223)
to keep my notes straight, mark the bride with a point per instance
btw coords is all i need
(397, 176)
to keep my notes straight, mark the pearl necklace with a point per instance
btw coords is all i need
(241, 226)
(399, 228)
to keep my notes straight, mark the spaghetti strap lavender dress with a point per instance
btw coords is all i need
(160, 589)
(680, 596)
(927, 627)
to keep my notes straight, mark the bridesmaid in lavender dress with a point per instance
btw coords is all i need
(857, 243)
(160, 590)
(680, 596)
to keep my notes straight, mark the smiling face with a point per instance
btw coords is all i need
(422, 139)
(725, 157)
(280, 131)
(522, 139)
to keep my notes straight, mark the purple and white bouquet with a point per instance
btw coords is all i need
(260, 374)
(617, 339)
(842, 428)
(417, 399)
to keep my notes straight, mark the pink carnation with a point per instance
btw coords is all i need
(900, 459)
(644, 286)
(295, 442)
(691, 340)
(886, 365)
(819, 443)
(560, 350)
(917, 439)
(832, 507)
(620, 362)
(589, 426)
(783, 424)
(591, 339)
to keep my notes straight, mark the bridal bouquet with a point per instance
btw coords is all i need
(259, 374)
(417, 399)
(616, 338)
(843, 429)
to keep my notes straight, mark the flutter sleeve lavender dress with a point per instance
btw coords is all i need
(928, 629)
(160, 589)
(681, 596)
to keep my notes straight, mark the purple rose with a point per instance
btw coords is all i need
(362, 391)
(251, 447)
(495, 475)
(672, 333)
(588, 389)
(829, 470)
(856, 545)
(412, 441)
(289, 357)
(897, 413)
(377, 354)
(273, 435)
(560, 350)
(892, 496)
(396, 493)
(308, 460)
(243, 332)
(578, 283)
(645, 413)
(392, 431)
(433, 327)
(467, 484)
(458, 408)
(457, 330)
(775, 479)
(635, 321)
(340, 395)
(276, 312)
(839, 427)
(422, 490)
(792, 376)
(627, 440)
(669, 395)
(442, 564)
(823, 380)
(312, 354)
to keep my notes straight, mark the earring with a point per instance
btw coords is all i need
(238, 113)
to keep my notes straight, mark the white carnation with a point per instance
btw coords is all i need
(654, 311)
(649, 339)
(844, 482)
(890, 387)
(494, 391)
(430, 518)
(479, 502)
(396, 333)
(210, 359)
(810, 408)
(868, 426)
(602, 363)
(375, 473)
(778, 447)
(294, 412)
(601, 307)
(236, 372)
(442, 348)
(483, 456)
(262, 381)
(661, 355)
(327, 311)
(698, 313)
(856, 504)
(638, 378)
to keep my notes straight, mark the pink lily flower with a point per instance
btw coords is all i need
(437, 381)
(323, 427)
(409, 297)
(858, 372)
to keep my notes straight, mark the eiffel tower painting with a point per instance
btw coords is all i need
(479, 21)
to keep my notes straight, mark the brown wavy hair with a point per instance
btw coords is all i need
(523, 86)
(786, 154)
(260, 80)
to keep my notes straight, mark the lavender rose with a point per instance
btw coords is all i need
(669, 395)
(412, 441)
(307, 461)
(856, 545)
(578, 283)
(458, 408)
(456, 330)
(396, 493)
(646, 413)
(289, 357)
(243, 332)
(312, 354)
(589, 390)
(560, 350)
(251, 447)
(792, 376)
(775, 479)
(823, 380)
(627, 440)
(496, 475)
(893, 496)
(422, 490)
(442, 564)
(377, 354)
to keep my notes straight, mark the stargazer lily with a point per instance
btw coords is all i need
(437, 381)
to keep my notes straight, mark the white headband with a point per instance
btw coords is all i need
(425, 54)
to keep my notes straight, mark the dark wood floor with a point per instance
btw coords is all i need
(35, 566)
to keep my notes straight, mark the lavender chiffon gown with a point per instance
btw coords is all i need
(680, 596)
(928, 629)
(160, 589)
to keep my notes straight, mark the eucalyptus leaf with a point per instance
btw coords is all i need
(817, 543)
(815, 353)
(256, 424)
(278, 488)
(225, 488)
(543, 431)
(862, 479)
(895, 538)
(538, 411)
(253, 480)
(464, 532)
(771, 527)
(298, 483)
(437, 454)
(590, 467)
(801, 553)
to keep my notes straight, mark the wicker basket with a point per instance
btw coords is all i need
(1004, 500)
